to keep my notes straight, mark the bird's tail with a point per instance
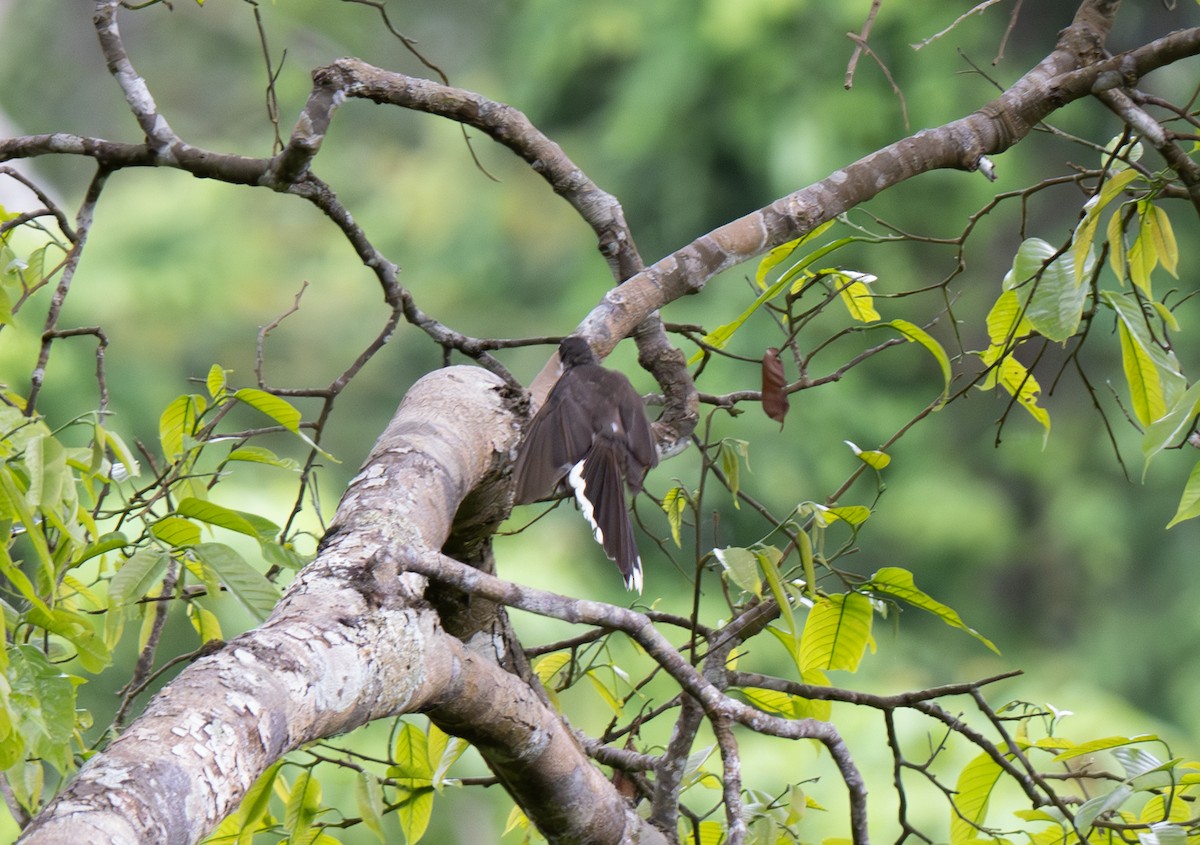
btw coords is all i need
(600, 491)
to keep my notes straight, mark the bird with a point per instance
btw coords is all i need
(592, 434)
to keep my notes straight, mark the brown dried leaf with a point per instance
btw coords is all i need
(774, 386)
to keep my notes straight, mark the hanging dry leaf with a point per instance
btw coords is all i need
(774, 386)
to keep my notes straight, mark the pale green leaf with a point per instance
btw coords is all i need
(247, 584)
(1189, 503)
(872, 457)
(414, 815)
(46, 461)
(674, 503)
(898, 583)
(369, 796)
(137, 576)
(547, 667)
(741, 565)
(275, 407)
(304, 799)
(1049, 287)
(1085, 231)
(853, 515)
(411, 768)
(1102, 744)
(731, 453)
(204, 621)
(781, 253)
(1090, 810)
(1129, 312)
(856, 296)
(176, 531)
(261, 455)
(1115, 235)
(607, 694)
(836, 633)
(973, 793)
(1141, 376)
(216, 381)
(178, 424)
(1163, 235)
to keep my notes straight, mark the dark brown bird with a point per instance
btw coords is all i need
(593, 434)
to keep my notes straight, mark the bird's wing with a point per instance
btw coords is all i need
(557, 438)
(642, 453)
(600, 493)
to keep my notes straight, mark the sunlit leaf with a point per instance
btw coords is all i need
(178, 423)
(545, 668)
(781, 253)
(204, 621)
(873, 458)
(1155, 219)
(674, 503)
(973, 793)
(837, 633)
(260, 455)
(411, 768)
(304, 800)
(1141, 376)
(1189, 503)
(856, 296)
(176, 531)
(214, 514)
(215, 381)
(898, 583)
(1085, 231)
(1102, 744)
(854, 515)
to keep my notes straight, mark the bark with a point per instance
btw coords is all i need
(353, 640)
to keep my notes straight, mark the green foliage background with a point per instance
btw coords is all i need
(691, 113)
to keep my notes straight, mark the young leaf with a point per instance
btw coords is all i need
(1145, 388)
(855, 295)
(974, 790)
(414, 815)
(837, 633)
(369, 796)
(873, 458)
(204, 621)
(774, 386)
(303, 801)
(781, 253)
(898, 583)
(215, 382)
(1189, 504)
(1085, 231)
(176, 531)
(411, 755)
(550, 665)
(741, 565)
(275, 407)
(247, 584)
(178, 422)
(674, 503)
(730, 453)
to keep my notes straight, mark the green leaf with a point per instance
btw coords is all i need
(873, 458)
(255, 803)
(1103, 744)
(1189, 504)
(42, 702)
(176, 531)
(607, 694)
(304, 799)
(178, 424)
(247, 584)
(674, 503)
(103, 545)
(411, 768)
(1086, 230)
(443, 751)
(1173, 427)
(915, 334)
(781, 253)
(222, 517)
(741, 565)
(414, 815)
(124, 457)
(76, 629)
(216, 381)
(260, 455)
(137, 576)
(547, 667)
(1091, 809)
(898, 583)
(1142, 346)
(852, 515)
(837, 633)
(12, 571)
(369, 795)
(855, 295)
(275, 407)
(1156, 221)
(973, 792)
(46, 460)
(1145, 389)
(731, 452)
(1049, 288)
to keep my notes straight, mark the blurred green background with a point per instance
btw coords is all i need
(691, 113)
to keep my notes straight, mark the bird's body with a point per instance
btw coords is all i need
(593, 434)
